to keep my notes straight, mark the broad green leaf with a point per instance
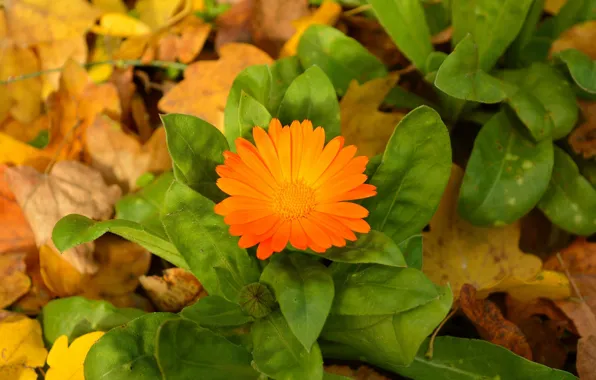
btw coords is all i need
(202, 238)
(581, 68)
(506, 175)
(399, 97)
(76, 316)
(390, 340)
(187, 351)
(144, 206)
(411, 178)
(304, 289)
(312, 96)
(251, 113)
(405, 23)
(342, 58)
(196, 148)
(570, 200)
(412, 249)
(371, 290)
(464, 359)
(461, 76)
(374, 248)
(542, 99)
(433, 63)
(283, 73)
(278, 354)
(438, 16)
(516, 55)
(128, 352)
(215, 311)
(74, 229)
(493, 26)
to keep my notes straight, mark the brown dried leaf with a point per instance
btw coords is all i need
(15, 282)
(15, 233)
(39, 294)
(174, 290)
(234, 24)
(123, 81)
(583, 138)
(580, 37)
(586, 357)
(54, 54)
(362, 373)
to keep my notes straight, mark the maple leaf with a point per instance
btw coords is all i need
(66, 362)
(174, 290)
(21, 347)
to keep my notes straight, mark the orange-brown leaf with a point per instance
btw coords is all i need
(15, 282)
(15, 233)
(174, 290)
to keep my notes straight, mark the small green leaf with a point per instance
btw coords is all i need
(342, 58)
(493, 26)
(215, 311)
(278, 354)
(581, 68)
(516, 55)
(506, 175)
(460, 76)
(464, 359)
(74, 229)
(374, 248)
(405, 23)
(570, 200)
(412, 249)
(127, 352)
(76, 316)
(196, 148)
(399, 97)
(41, 140)
(251, 113)
(369, 289)
(412, 176)
(283, 73)
(312, 96)
(304, 289)
(145, 179)
(202, 238)
(187, 351)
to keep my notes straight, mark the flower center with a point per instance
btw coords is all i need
(294, 200)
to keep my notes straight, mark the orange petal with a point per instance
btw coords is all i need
(264, 250)
(336, 240)
(363, 191)
(297, 144)
(274, 132)
(324, 160)
(340, 161)
(246, 176)
(313, 147)
(297, 236)
(357, 225)
(281, 236)
(247, 216)
(344, 209)
(252, 158)
(315, 233)
(335, 225)
(285, 153)
(234, 187)
(356, 166)
(268, 152)
(247, 241)
(235, 203)
(340, 184)
(257, 227)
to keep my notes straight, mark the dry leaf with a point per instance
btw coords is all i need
(234, 24)
(580, 37)
(156, 13)
(491, 324)
(443, 36)
(174, 290)
(39, 294)
(124, 82)
(130, 300)
(55, 54)
(362, 373)
(15, 233)
(21, 348)
(24, 132)
(586, 357)
(62, 278)
(359, 111)
(141, 117)
(583, 138)
(107, 6)
(103, 50)
(15, 282)
(16, 152)
(70, 188)
(66, 362)
(206, 84)
(121, 25)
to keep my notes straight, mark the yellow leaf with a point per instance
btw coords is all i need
(24, 132)
(67, 362)
(15, 282)
(121, 25)
(546, 284)
(55, 54)
(21, 348)
(206, 84)
(156, 13)
(580, 37)
(328, 13)
(18, 153)
(458, 253)
(100, 52)
(108, 6)
(554, 6)
(361, 122)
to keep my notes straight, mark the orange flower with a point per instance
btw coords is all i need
(292, 187)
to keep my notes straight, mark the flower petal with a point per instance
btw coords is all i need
(345, 209)
(281, 236)
(264, 250)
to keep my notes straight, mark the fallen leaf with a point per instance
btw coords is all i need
(70, 188)
(102, 50)
(443, 36)
(15, 282)
(156, 13)
(359, 111)
(551, 284)
(490, 323)
(39, 294)
(15, 233)
(141, 117)
(54, 54)
(580, 37)
(21, 348)
(110, 6)
(234, 24)
(586, 357)
(583, 138)
(66, 362)
(61, 277)
(24, 132)
(17, 152)
(121, 25)
(328, 13)
(362, 373)
(123, 80)
(174, 290)
(206, 84)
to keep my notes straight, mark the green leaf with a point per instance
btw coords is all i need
(437, 15)
(389, 341)
(542, 99)
(374, 248)
(312, 96)
(196, 148)
(342, 58)
(570, 200)
(412, 249)
(493, 26)
(581, 68)
(369, 289)
(215, 311)
(278, 354)
(464, 359)
(202, 238)
(41, 140)
(128, 352)
(506, 175)
(76, 316)
(304, 289)
(412, 176)
(461, 76)
(283, 73)
(405, 23)
(74, 229)
(187, 351)
(144, 206)
(399, 97)
(251, 113)
(516, 55)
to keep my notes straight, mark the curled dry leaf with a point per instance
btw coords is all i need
(362, 373)
(66, 362)
(580, 36)
(359, 110)
(206, 84)
(174, 290)
(70, 188)
(583, 138)
(15, 282)
(491, 324)
(21, 347)
(15, 233)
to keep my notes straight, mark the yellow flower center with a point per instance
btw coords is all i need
(294, 200)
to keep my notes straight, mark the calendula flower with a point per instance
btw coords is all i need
(292, 187)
